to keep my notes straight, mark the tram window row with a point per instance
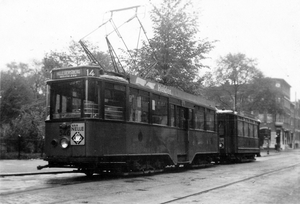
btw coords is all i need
(142, 107)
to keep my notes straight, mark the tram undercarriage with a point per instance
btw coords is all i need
(126, 165)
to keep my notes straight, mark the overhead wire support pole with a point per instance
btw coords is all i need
(116, 30)
(96, 29)
(114, 57)
(90, 55)
(123, 9)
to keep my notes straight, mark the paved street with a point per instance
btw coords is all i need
(25, 166)
(29, 166)
(273, 178)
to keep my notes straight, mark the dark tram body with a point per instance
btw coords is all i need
(238, 136)
(104, 122)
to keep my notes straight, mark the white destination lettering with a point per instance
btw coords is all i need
(68, 73)
(164, 89)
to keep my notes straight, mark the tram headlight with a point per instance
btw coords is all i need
(54, 142)
(64, 143)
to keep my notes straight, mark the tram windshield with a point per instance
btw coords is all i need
(74, 99)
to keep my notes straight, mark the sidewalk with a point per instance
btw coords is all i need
(272, 151)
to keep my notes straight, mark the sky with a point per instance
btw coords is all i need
(265, 30)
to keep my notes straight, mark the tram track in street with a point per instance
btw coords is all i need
(56, 183)
(229, 184)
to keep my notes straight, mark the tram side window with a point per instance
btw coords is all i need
(91, 103)
(159, 110)
(114, 101)
(210, 120)
(199, 118)
(221, 124)
(181, 117)
(139, 105)
(251, 130)
(246, 129)
(240, 128)
(256, 130)
(66, 99)
(172, 116)
(191, 119)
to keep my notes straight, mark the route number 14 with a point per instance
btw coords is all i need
(90, 72)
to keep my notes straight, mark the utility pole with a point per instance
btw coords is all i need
(19, 144)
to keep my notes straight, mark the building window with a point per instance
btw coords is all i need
(269, 118)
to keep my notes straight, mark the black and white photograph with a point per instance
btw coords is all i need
(150, 101)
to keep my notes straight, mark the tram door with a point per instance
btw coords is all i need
(226, 133)
(182, 120)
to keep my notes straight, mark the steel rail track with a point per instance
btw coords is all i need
(229, 184)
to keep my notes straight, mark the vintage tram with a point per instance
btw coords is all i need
(106, 122)
(238, 136)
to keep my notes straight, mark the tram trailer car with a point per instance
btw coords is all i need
(238, 137)
(101, 121)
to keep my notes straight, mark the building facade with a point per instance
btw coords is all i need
(284, 126)
(279, 116)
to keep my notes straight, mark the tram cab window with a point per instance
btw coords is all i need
(91, 102)
(114, 101)
(139, 106)
(159, 110)
(66, 99)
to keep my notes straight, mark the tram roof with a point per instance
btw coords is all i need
(82, 71)
(237, 114)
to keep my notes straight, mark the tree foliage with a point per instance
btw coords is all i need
(22, 105)
(229, 83)
(15, 91)
(263, 97)
(175, 52)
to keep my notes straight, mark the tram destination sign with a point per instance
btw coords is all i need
(76, 72)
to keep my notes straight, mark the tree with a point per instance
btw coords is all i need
(229, 83)
(175, 52)
(15, 91)
(263, 97)
(22, 105)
